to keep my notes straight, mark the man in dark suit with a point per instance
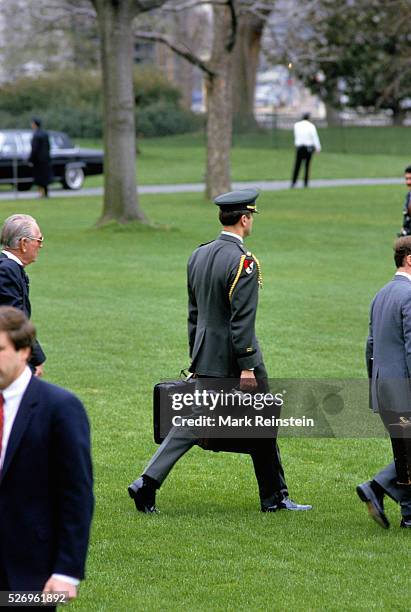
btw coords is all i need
(406, 210)
(388, 359)
(223, 283)
(46, 498)
(40, 158)
(21, 241)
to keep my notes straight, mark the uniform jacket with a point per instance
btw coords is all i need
(46, 498)
(223, 283)
(388, 349)
(14, 291)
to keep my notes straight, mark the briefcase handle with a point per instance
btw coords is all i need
(185, 374)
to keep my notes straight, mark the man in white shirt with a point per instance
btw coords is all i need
(46, 497)
(306, 142)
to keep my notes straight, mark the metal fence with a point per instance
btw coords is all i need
(370, 134)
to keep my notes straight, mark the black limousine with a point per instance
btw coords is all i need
(70, 163)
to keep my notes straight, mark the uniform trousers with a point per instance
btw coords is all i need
(264, 453)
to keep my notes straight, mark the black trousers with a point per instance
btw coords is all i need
(303, 154)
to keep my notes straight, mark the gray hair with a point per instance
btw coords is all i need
(15, 228)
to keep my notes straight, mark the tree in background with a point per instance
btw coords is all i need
(115, 21)
(354, 53)
(252, 20)
(217, 71)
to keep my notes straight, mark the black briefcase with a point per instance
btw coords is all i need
(162, 400)
(400, 434)
(163, 394)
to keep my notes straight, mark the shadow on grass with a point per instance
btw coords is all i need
(133, 227)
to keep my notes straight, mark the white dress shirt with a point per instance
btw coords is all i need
(404, 274)
(12, 256)
(12, 398)
(13, 395)
(305, 135)
(240, 238)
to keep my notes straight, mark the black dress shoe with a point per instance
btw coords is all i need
(374, 503)
(406, 522)
(269, 508)
(144, 495)
(285, 503)
(288, 504)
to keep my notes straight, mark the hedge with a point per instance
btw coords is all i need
(72, 102)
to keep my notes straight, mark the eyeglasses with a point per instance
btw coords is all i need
(39, 240)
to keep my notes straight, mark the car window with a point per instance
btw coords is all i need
(8, 144)
(60, 141)
(26, 140)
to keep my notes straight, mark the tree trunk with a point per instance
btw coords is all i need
(398, 117)
(245, 64)
(332, 114)
(120, 189)
(219, 107)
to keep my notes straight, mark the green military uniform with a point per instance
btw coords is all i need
(223, 283)
(223, 286)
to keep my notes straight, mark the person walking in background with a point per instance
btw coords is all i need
(40, 158)
(406, 223)
(306, 142)
(21, 240)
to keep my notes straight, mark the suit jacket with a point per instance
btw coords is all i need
(388, 349)
(46, 498)
(223, 281)
(14, 291)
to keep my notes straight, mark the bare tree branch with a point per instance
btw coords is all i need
(178, 48)
(233, 33)
(143, 6)
(182, 6)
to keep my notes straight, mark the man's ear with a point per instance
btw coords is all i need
(26, 352)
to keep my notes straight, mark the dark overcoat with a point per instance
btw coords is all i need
(40, 158)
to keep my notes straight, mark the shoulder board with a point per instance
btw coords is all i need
(204, 243)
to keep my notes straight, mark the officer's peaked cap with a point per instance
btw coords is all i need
(241, 200)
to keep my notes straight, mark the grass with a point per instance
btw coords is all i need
(181, 159)
(110, 306)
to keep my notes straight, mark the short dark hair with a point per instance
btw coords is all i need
(20, 331)
(407, 170)
(37, 121)
(402, 248)
(232, 217)
(306, 116)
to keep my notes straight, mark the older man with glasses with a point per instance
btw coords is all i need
(21, 240)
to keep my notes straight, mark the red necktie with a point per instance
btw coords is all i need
(1, 419)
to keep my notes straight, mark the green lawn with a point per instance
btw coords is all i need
(181, 159)
(110, 306)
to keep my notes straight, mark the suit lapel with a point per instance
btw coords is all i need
(28, 403)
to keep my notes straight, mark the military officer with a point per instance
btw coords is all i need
(223, 283)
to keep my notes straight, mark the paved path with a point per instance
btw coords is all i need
(199, 187)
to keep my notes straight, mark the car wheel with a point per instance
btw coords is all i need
(73, 177)
(24, 186)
